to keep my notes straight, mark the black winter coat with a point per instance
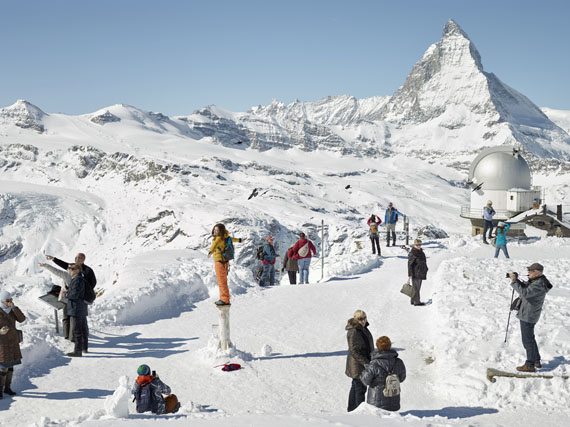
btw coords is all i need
(417, 264)
(374, 376)
(76, 306)
(360, 347)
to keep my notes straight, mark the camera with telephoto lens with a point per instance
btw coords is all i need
(512, 272)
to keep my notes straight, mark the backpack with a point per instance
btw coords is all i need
(259, 253)
(392, 386)
(88, 294)
(228, 253)
(143, 397)
(304, 250)
(373, 229)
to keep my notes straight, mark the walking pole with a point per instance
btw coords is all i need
(322, 249)
(509, 319)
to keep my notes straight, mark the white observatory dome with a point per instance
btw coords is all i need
(500, 168)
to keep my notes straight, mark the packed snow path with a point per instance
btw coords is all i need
(303, 381)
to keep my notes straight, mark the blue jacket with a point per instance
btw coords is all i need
(269, 254)
(502, 236)
(76, 307)
(391, 216)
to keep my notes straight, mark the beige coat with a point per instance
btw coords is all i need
(9, 344)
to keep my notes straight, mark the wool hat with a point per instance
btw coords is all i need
(536, 267)
(269, 238)
(143, 370)
(4, 295)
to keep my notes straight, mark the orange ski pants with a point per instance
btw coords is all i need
(222, 276)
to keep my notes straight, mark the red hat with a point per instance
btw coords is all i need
(269, 238)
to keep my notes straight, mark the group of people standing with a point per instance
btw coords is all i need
(390, 220)
(78, 281)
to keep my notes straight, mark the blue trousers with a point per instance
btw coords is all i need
(304, 264)
(487, 225)
(501, 248)
(529, 343)
(268, 270)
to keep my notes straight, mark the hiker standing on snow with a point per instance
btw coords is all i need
(360, 346)
(488, 213)
(290, 264)
(148, 390)
(390, 220)
(90, 281)
(302, 251)
(417, 270)
(268, 261)
(10, 354)
(66, 280)
(373, 224)
(501, 240)
(532, 294)
(77, 309)
(221, 265)
(376, 376)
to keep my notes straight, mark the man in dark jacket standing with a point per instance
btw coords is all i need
(268, 261)
(77, 308)
(417, 270)
(360, 346)
(90, 280)
(384, 362)
(532, 294)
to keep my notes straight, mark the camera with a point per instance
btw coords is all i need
(507, 276)
(154, 374)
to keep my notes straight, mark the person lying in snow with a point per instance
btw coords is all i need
(148, 391)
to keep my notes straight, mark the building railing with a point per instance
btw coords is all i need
(469, 212)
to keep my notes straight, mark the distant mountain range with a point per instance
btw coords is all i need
(447, 105)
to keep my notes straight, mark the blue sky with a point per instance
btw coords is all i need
(177, 56)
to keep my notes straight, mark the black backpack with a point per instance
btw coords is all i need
(89, 294)
(143, 397)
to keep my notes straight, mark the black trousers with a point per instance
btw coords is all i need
(375, 240)
(292, 277)
(80, 332)
(529, 343)
(357, 394)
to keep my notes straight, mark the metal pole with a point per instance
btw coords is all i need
(509, 319)
(56, 321)
(322, 249)
(407, 229)
(224, 331)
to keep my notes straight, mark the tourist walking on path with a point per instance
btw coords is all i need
(390, 220)
(384, 363)
(417, 270)
(374, 233)
(360, 346)
(302, 252)
(10, 354)
(220, 250)
(488, 213)
(532, 295)
(291, 265)
(501, 240)
(268, 261)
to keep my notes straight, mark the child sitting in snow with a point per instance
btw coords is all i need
(148, 391)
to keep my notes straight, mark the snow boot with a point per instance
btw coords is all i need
(8, 382)
(526, 368)
(2, 382)
(220, 302)
(538, 365)
(75, 354)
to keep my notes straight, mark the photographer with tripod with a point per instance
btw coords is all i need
(531, 294)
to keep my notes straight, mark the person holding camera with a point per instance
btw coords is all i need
(501, 239)
(532, 294)
(148, 390)
(10, 354)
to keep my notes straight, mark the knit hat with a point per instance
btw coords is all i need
(143, 370)
(4, 295)
(269, 238)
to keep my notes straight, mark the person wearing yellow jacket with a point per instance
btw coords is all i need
(221, 265)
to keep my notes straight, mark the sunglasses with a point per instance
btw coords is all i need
(9, 300)
(361, 319)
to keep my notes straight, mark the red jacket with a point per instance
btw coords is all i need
(294, 251)
(378, 220)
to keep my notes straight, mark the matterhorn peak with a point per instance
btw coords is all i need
(452, 28)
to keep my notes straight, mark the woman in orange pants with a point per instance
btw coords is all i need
(221, 266)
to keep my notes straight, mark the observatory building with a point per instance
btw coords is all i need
(500, 174)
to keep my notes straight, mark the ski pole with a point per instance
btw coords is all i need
(509, 319)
